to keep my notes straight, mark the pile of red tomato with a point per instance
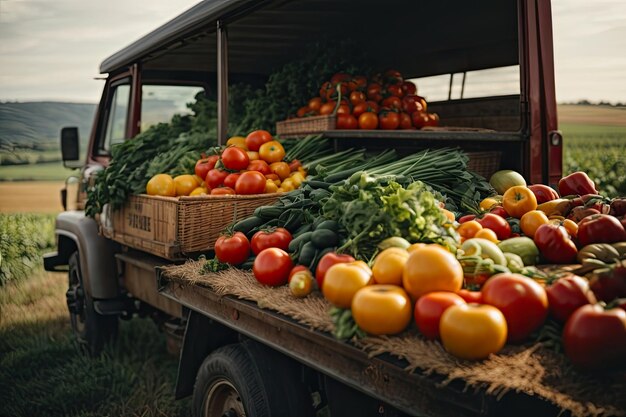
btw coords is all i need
(251, 165)
(385, 101)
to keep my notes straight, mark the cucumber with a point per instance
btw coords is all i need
(323, 238)
(268, 212)
(319, 255)
(246, 225)
(295, 242)
(307, 254)
(328, 225)
(302, 229)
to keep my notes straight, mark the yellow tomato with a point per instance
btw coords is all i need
(199, 191)
(519, 200)
(343, 280)
(488, 234)
(272, 151)
(288, 183)
(469, 229)
(530, 222)
(238, 141)
(472, 331)
(281, 169)
(389, 265)
(270, 187)
(415, 247)
(161, 184)
(487, 203)
(297, 178)
(253, 156)
(448, 214)
(301, 283)
(381, 309)
(571, 227)
(302, 171)
(185, 184)
(431, 268)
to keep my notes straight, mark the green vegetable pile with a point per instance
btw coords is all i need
(372, 209)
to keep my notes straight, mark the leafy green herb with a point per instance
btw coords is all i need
(213, 265)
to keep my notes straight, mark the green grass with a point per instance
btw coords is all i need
(48, 171)
(600, 152)
(42, 371)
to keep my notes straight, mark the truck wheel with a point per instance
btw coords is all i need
(92, 330)
(235, 381)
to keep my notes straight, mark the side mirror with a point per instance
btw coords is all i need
(70, 151)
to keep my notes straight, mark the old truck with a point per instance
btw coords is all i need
(491, 63)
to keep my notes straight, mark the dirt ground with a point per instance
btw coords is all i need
(31, 197)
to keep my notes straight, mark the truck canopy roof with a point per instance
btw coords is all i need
(418, 37)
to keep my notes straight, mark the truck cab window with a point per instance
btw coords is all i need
(117, 117)
(159, 103)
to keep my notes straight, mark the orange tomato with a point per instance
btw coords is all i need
(368, 120)
(431, 268)
(343, 280)
(270, 187)
(274, 178)
(185, 184)
(281, 169)
(473, 331)
(487, 203)
(273, 151)
(488, 234)
(315, 103)
(328, 107)
(199, 191)
(530, 222)
(389, 265)
(519, 200)
(161, 184)
(381, 309)
(571, 227)
(469, 229)
(415, 247)
(238, 141)
(448, 214)
(252, 155)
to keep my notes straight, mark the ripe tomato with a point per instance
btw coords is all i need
(272, 266)
(343, 280)
(301, 283)
(296, 269)
(204, 165)
(276, 238)
(530, 222)
(522, 300)
(555, 244)
(360, 108)
(185, 184)
(389, 265)
(405, 121)
(374, 92)
(326, 262)
(487, 234)
(326, 90)
(412, 103)
(419, 119)
(315, 103)
(215, 177)
(346, 121)
(497, 224)
(233, 249)
(357, 97)
(255, 139)
(500, 211)
(600, 228)
(368, 120)
(302, 111)
(250, 182)
(328, 107)
(281, 169)
(231, 180)
(344, 109)
(595, 338)
(471, 296)
(389, 120)
(381, 309)
(471, 331)
(272, 151)
(430, 307)
(468, 229)
(568, 294)
(395, 90)
(260, 166)
(433, 119)
(409, 87)
(393, 102)
(222, 191)
(161, 184)
(252, 155)
(431, 268)
(519, 200)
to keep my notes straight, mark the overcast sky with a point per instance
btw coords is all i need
(51, 49)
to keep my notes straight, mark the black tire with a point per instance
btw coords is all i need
(91, 329)
(247, 379)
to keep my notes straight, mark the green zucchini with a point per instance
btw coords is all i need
(328, 225)
(323, 238)
(268, 212)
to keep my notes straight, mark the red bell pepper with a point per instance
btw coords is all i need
(577, 183)
(600, 228)
(543, 193)
(554, 243)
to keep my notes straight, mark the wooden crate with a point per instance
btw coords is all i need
(303, 126)
(172, 227)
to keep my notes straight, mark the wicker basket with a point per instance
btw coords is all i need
(484, 163)
(305, 126)
(171, 227)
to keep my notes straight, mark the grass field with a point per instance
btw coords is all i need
(49, 171)
(42, 371)
(31, 197)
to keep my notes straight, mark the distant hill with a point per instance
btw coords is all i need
(33, 123)
(600, 115)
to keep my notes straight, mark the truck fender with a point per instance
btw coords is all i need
(202, 336)
(76, 231)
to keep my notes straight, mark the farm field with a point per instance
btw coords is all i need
(31, 197)
(46, 171)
